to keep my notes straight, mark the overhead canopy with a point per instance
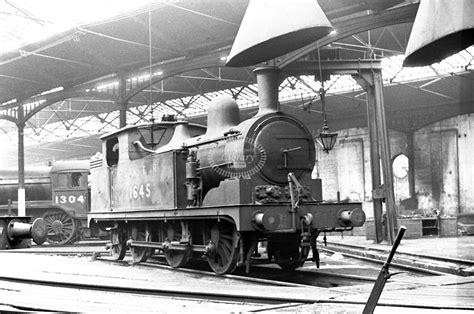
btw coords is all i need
(180, 32)
(189, 43)
(118, 46)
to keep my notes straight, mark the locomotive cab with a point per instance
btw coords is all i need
(70, 187)
(66, 219)
(137, 172)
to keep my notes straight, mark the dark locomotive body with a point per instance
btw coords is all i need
(219, 192)
(58, 194)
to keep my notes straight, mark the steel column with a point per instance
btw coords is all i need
(21, 162)
(385, 155)
(411, 164)
(369, 75)
(374, 161)
(373, 85)
(122, 103)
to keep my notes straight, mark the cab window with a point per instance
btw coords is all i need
(112, 154)
(71, 180)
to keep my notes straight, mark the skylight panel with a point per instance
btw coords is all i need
(27, 21)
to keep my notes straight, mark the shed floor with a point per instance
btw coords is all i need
(441, 294)
(453, 247)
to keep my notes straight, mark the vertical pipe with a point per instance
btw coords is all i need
(268, 81)
(21, 162)
(374, 160)
(122, 103)
(411, 164)
(123, 114)
(385, 155)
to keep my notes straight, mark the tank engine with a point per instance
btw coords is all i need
(188, 192)
(56, 193)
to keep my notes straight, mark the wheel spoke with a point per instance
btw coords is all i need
(61, 227)
(119, 247)
(139, 254)
(226, 246)
(225, 259)
(176, 258)
(224, 256)
(226, 236)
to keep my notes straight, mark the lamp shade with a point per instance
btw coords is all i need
(271, 28)
(441, 28)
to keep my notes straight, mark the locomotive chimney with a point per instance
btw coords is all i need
(268, 81)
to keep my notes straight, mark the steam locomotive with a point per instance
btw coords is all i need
(56, 193)
(216, 192)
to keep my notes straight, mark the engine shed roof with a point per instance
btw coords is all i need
(171, 56)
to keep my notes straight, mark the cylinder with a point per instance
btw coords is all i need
(268, 82)
(191, 169)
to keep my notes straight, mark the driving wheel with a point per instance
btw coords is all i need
(119, 244)
(139, 254)
(60, 227)
(176, 258)
(225, 243)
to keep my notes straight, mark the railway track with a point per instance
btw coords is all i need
(68, 283)
(423, 263)
(266, 275)
(272, 275)
(266, 288)
(261, 272)
(185, 293)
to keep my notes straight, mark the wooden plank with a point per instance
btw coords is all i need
(453, 296)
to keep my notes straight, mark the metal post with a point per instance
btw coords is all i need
(385, 156)
(21, 162)
(123, 114)
(380, 151)
(375, 162)
(411, 164)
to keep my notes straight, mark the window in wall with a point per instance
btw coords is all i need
(400, 178)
